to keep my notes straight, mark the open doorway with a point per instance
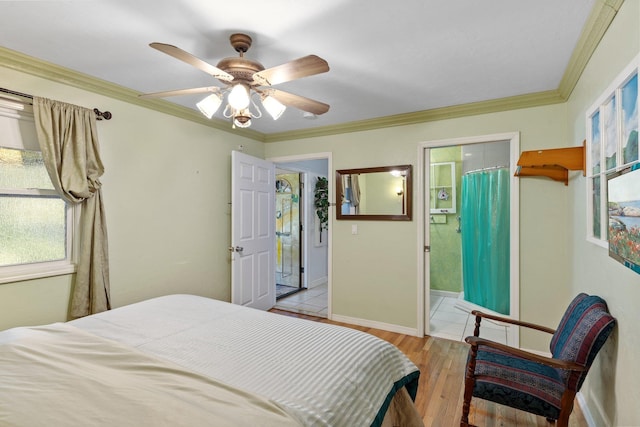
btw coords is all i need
(305, 269)
(469, 189)
(289, 237)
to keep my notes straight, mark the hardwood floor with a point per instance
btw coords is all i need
(439, 401)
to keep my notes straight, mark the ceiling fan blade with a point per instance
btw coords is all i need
(299, 102)
(298, 68)
(177, 92)
(180, 54)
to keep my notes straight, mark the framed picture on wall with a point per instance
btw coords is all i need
(623, 201)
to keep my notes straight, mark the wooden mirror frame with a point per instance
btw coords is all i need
(408, 194)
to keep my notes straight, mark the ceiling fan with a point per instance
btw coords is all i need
(242, 78)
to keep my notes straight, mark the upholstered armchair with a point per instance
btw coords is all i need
(541, 385)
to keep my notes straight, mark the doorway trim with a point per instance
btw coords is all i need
(329, 157)
(514, 226)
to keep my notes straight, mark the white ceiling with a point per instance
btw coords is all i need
(386, 57)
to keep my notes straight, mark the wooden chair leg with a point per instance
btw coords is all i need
(563, 421)
(566, 408)
(469, 383)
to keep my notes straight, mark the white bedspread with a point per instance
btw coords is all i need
(61, 376)
(324, 375)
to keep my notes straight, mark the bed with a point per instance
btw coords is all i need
(184, 360)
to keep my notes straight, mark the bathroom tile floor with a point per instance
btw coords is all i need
(453, 323)
(312, 301)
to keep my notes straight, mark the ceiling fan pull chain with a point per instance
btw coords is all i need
(257, 109)
(227, 113)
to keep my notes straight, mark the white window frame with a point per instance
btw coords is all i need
(615, 89)
(24, 114)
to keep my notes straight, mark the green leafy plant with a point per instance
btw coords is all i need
(321, 202)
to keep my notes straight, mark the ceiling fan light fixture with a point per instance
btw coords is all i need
(243, 78)
(239, 97)
(242, 121)
(274, 107)
(209, 105)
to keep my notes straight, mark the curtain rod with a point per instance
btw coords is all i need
(488, 169)
(99, 114)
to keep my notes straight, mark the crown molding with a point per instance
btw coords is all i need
(46, 70)
(603, 13)
(471, 109)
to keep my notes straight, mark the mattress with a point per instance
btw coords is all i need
(313, 373)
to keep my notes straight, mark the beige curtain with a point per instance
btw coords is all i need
(345, 184)
(355, 190)
(69, 142)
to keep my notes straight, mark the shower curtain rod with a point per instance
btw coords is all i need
(99, 114)
(487, 169)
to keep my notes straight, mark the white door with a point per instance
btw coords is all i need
(252, 231)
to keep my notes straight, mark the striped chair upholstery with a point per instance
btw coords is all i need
(583, 330)
(516, 381)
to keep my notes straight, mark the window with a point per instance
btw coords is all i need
(612, 143)
(36, 225)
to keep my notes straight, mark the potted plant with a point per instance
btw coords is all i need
(321, 203)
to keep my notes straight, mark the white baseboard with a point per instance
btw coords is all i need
(375, 325)
(585, 410)
(448, 294)
(318, 282)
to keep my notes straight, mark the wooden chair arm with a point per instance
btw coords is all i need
(554, 363)
(509, 320)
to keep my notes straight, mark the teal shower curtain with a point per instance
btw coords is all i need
(484, 219)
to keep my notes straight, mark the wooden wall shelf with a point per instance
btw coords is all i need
(554, 163)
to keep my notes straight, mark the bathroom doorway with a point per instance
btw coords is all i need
(470, 209)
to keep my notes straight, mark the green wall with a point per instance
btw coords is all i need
(445, 268)
(166, 190)
(375, 273)
(380, 193)
(610, 390)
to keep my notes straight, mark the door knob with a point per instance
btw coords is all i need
(236, 249)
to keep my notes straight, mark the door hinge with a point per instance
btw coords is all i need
(427, 248)
(301, 269)
(301, 227)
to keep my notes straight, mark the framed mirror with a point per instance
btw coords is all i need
(381, 194)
